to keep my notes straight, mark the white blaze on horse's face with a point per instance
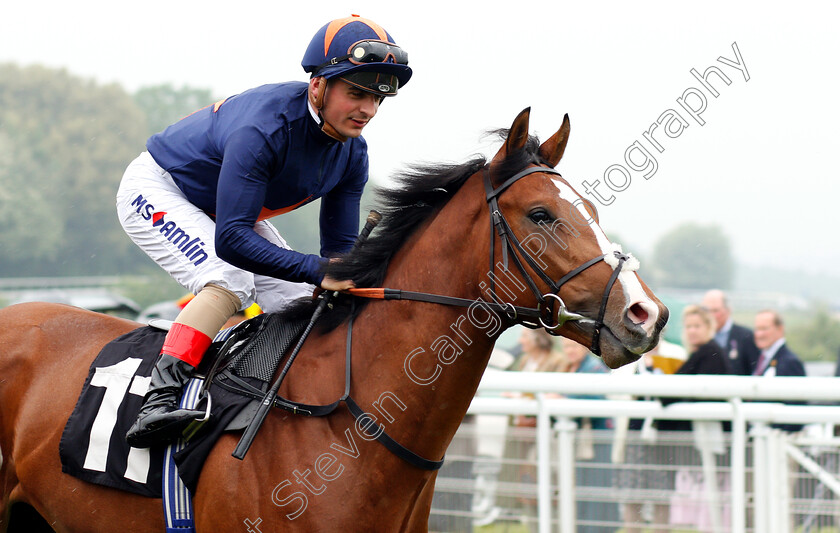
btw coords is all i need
(633, 291)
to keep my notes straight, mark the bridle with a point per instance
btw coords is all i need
(543, 315)
(545, 302)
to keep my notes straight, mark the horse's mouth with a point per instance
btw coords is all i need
(614, 351)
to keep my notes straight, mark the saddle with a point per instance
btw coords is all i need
(233, 379)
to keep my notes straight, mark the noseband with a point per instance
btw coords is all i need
(544, 315)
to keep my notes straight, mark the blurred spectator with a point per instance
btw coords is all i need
(642, 464)
(661, 460)
(576, 358)
(538, 355)
(538, 352)
(775, 359)
(737, 341)
(705, 356)
(591, 453)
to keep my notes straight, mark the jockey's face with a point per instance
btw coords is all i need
(348, 109)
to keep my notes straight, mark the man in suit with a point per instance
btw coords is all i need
(775, 358)
(737, 341)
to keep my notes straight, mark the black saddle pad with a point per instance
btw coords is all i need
(93, 446)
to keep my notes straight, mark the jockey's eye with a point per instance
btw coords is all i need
(540, 215)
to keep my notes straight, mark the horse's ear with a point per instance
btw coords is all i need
(552, 150)
(517, 137)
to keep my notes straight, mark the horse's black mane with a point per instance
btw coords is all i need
(421, 191)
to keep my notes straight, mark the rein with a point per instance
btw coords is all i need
(531, 317)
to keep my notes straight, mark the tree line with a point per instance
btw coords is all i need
(65, 142)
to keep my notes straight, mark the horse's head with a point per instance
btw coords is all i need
(551, 265)
(548, 236)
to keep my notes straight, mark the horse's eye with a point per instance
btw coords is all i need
(540, 215)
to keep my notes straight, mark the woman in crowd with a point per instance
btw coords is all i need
(706, 356)
(592, 449)
(659, 459)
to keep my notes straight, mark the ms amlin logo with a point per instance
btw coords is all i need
(191, 248)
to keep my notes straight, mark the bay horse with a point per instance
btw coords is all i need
(415, 366)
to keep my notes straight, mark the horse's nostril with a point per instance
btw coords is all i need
(637, 314)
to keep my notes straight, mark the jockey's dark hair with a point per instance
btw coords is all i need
(421, 191)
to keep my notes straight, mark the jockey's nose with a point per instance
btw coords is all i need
(369, 105)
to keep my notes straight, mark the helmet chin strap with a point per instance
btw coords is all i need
(318, 100)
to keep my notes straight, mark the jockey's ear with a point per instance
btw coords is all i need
(517, 137)
(317, 90)
(552, 149)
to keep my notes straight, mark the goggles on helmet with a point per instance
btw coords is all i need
(373, 82)
(370, 51)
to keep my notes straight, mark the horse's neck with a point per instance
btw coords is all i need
(434, 362)
(434, 354)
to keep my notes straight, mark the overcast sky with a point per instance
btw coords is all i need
(762, 166)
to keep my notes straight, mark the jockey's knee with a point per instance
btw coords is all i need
(210, 309)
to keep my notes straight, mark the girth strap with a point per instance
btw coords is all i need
(323, 410)
(238, 385)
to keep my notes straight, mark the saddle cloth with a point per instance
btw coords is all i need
(93, 446)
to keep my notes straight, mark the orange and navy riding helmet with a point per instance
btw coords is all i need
(360, 52)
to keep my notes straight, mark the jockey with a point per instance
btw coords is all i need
(197, 200)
